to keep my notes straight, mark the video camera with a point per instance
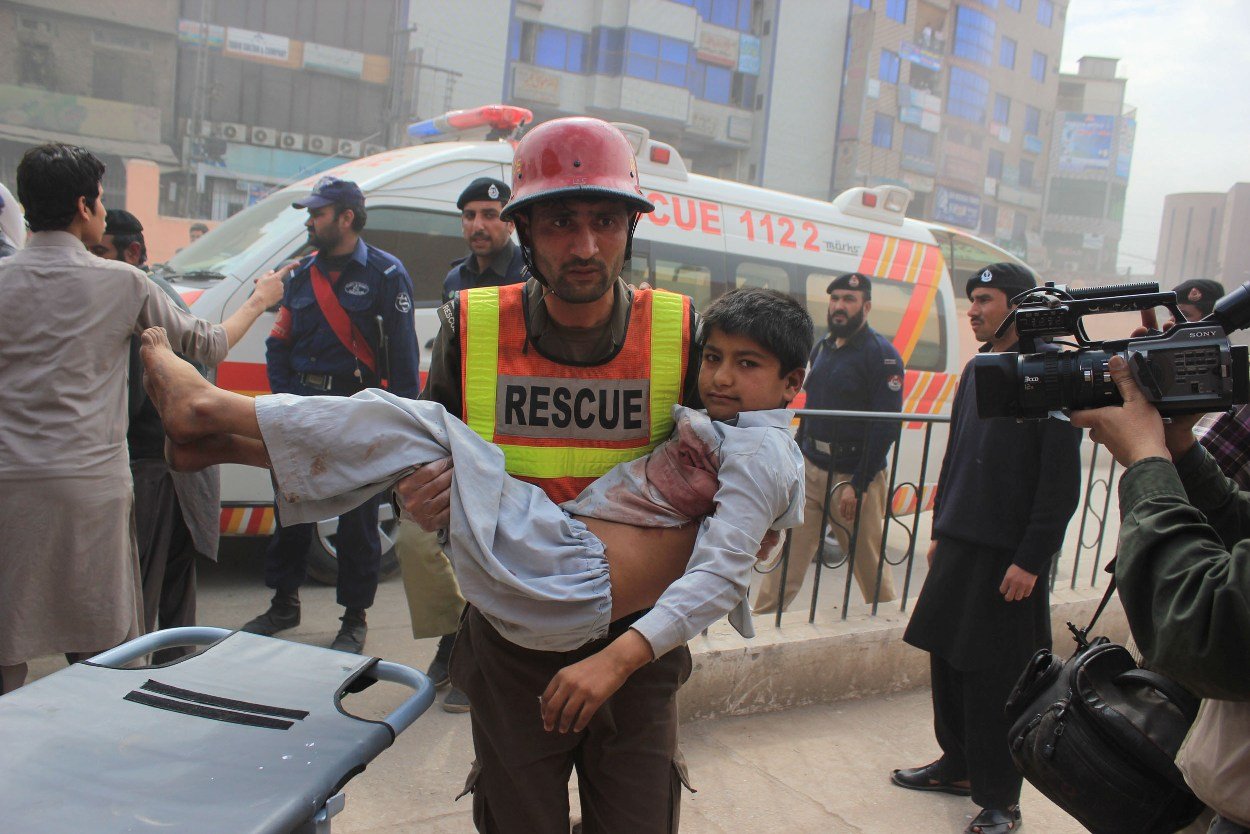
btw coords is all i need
(1189, 369)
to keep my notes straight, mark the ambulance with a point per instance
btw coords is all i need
(705, 237)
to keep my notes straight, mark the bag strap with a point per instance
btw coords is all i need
(1184, 700)
(1082, 634)
(344, 329)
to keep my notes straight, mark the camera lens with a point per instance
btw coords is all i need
(1031, 385)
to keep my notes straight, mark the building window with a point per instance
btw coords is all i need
(989, 220)
(34, 64)
(1014, 5)
(967, 95)
(1007, 53)
(1039, 67)
(887, 70)
(743, 93)
(1032, 120)
(974, 35)
(1045, 12)
(994, 167)
(883, 131)
(656, 58)
(917, 143)
(896, 10)
(1026, 173)
(553, 48)
(610, 51)
(863, 4)
(710, 83)
(1002, 108)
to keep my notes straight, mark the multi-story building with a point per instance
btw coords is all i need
(273, 90)
(955, 101)
(1090, 156)
(98, 74)
(1203, 236)
(745, 89)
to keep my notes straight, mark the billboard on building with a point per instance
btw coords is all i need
(1085, 142)
(959, 208)
(1124, 150)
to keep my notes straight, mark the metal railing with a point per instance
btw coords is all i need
(907, 499)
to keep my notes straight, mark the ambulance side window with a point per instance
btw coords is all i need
(694, 280)
(755, 274)
(890, 301)
(425, 242)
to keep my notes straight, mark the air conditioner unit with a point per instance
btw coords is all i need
(206, 128)
(320, 144)
(262, 136)
(231, 131)
(291, 141)
(348, 148)
(371, 149)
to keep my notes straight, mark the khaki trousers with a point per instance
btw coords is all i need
(434, 600)
(805, 539)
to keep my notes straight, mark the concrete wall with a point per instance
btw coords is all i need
(803, 88)
(163, 235)
(802, 664)
(478, 52)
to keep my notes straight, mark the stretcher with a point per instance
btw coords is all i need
(246, 736)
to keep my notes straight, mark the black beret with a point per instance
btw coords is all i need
(1200, 292)
(485, 188)
(851, 281)
(121, 222)
(1011, 278)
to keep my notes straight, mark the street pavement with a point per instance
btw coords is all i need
(813, 769)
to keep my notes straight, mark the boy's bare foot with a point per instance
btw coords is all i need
(213, 449)
(174, 386)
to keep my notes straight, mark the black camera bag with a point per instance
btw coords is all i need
(1099, 736)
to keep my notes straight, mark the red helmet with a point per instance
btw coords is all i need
(577, 156)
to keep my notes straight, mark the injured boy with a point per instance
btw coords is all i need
(677, 530)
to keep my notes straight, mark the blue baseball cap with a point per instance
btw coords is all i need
(331, 191)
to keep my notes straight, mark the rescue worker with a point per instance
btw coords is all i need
(854, 368)
(176, 513)
(570, 373)
(345, 324)
(493, 259)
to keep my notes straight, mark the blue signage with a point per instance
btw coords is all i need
(958, 208)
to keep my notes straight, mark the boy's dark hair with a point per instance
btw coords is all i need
(776, 321)
(51, 178)
(358, 215)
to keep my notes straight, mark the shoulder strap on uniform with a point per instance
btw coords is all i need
(341, 323)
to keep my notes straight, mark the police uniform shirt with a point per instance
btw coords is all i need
(507, 267)
(566, 345)
(865, 374)
(370, 283)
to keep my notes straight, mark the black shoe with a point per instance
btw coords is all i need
(283, 613)
(351, 636)
(439, 671)
(455, 701)
(931, 777)
(995, 821)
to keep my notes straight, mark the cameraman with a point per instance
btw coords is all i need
(1183, 572)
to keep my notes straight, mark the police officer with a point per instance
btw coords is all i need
(345, 324)
(494, 259)
(854, 368)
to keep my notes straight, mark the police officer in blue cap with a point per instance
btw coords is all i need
(494, 259)
(345, 324)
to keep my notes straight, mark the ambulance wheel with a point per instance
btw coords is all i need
(323, 564)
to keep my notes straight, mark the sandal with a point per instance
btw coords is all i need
(931, 777)
(994, 821)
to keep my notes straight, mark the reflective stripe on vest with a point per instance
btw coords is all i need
(561, 451)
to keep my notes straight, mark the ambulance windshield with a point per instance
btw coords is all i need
(220, 249)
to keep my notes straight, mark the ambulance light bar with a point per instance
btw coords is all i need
(500, 118)
(885, 203)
